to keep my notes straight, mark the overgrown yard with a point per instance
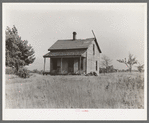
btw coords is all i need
(112, 90)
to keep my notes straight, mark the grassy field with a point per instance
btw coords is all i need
(125, 90)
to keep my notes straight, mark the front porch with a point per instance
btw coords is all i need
(66, 65)
(67, 61)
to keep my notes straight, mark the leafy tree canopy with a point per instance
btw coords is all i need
(130, 62)
(140, 67)
(18, 52)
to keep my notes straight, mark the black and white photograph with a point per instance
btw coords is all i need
(75, 61)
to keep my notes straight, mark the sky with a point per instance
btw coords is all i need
(120, 29)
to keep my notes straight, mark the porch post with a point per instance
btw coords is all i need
(61, 65)
(80, 64)
(44, 63)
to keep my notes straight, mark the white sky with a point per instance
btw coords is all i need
(119, 28)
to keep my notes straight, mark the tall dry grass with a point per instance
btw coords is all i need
(114, 90)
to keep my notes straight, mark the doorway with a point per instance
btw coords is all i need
(54, 64)
(70, 65)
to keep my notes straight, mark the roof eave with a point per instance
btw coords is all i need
(68, 49)
(76, 56)
(98, 46)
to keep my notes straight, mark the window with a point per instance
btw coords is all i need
(96, 65)
(93, 49)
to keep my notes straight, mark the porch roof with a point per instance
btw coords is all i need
(66, 53)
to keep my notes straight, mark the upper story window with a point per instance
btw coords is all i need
(96, 65)
(93, 49)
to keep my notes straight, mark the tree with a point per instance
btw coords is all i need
(140, 67)
(131, 61)
(18, 52)
(106, 62)
(110, 68)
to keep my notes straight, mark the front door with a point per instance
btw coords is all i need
(54, 64)
(70, 65)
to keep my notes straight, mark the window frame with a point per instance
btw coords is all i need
(96, 65)
(93, 49)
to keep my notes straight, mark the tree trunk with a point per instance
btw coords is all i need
(104, 70)
(130, 70)
(17, 67)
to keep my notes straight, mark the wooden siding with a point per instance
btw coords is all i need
(92, 58)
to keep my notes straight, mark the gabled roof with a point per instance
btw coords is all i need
(73, 44)
(66, 53)
(97, 45)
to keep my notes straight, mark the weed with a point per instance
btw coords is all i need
(123, 91)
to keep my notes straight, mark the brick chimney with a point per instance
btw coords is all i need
(74, 35)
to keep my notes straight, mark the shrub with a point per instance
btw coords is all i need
(23, 73)
(53, 72)
(76, 73)
(64, 72)
(35, 71)
(94, 73)
(41, 72)
(91, 74)
(10, 70)
(141, 68)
